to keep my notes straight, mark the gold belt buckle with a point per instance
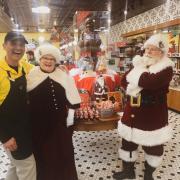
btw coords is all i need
(135, 101)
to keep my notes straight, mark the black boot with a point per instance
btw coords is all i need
(148, 173)
(127, 172)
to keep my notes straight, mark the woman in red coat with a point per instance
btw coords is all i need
(52, 100)
(145, 119)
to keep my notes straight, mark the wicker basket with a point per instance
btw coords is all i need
(106, 113)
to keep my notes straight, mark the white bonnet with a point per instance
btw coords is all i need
(47, 49)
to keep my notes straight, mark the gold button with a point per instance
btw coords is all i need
(132, 115)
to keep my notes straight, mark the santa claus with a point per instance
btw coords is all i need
(145, 119)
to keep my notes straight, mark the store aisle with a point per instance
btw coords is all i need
(96, 155)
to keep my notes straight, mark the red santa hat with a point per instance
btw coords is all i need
(158, 40)
(47, 49)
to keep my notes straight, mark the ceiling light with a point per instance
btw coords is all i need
(18, 30)
(16, 25)
(12, 19)
(155, 31)
(41, 39)
(55, 23)
(165, 31)
(97, 30)
(41, 10)
(125, 12)
(106, 30)
(41, 30)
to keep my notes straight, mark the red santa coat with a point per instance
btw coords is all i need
(86, 81)
(148, 124)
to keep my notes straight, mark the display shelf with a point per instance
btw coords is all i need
(174, 55)
(101, 125)
(113, 118)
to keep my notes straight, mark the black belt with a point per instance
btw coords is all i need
(150, 100)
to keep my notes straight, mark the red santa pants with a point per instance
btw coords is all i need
(129, 153)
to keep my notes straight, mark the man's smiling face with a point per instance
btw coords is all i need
(14, 49)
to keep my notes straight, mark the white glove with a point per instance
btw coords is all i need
(133, 90)
(70, 118)
(138, 61)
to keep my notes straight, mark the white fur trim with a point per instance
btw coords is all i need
(137, 61)
(125, 155)
(100, 94)
(75, 71)
(109, 75)
(133, 90)
(87, 74)
(153, 161)
(100, 80)
(134, 75)
(47, 49)
(161, 65)
(146, 138)
(139, 68)
(133, 79)
(155, 41)
(36, 77)
(70, 117)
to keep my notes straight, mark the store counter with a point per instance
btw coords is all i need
(173, 99)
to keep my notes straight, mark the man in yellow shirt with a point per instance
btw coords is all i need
(15, 132)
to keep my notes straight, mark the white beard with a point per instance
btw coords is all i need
(148, 61)
(100, 80)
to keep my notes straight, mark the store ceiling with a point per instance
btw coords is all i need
(62, 11)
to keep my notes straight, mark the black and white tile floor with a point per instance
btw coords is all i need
(96, 155)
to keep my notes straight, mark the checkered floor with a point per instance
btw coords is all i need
(96, 155)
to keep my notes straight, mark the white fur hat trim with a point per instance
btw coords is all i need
(47, 49)
(158, 40)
